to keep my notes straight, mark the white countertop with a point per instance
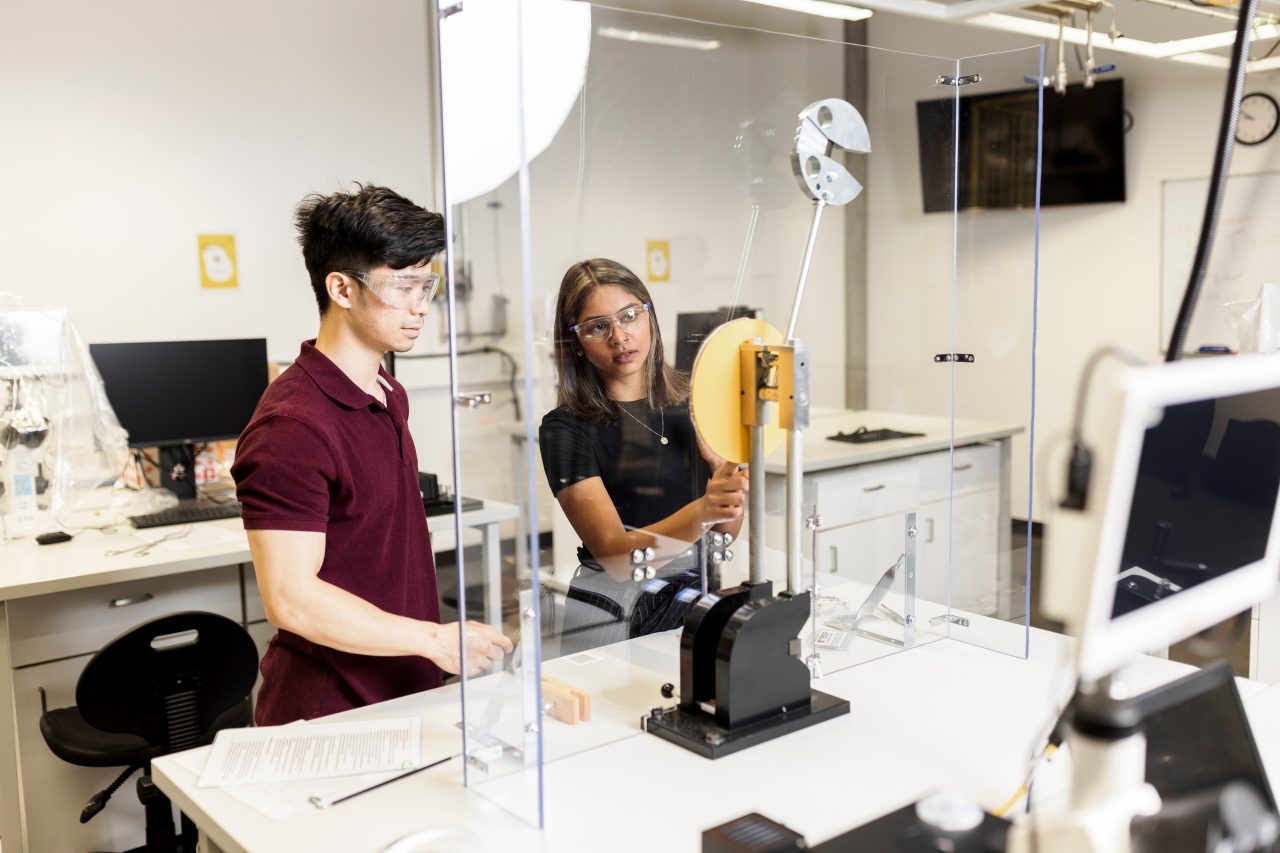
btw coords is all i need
(28, 569)
(946, 714)
(821, 453)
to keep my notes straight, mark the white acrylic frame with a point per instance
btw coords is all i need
(1106, 644)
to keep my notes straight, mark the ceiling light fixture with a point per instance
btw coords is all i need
(992, 14)
(824, 8)
(662, 39)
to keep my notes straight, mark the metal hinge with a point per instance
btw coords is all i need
(948, 80)
(966, 357)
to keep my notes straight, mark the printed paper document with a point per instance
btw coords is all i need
(312, 751)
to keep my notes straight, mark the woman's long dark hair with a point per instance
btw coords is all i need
(580, 389)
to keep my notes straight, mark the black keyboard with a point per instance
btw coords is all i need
(187, 514)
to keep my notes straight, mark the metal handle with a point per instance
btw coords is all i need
(928, 536)
(873, 488)
(132, 599)
(965, 467)
(834, 558)
(473, 399)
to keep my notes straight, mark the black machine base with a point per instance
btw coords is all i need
(699, 732)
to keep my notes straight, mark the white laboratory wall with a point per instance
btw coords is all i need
(1099, 277)
(132, 127)
(136, 127)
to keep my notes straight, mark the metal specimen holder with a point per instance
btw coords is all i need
(742, 677)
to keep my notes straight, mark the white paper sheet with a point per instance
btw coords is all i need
(278, 800)
(312, 751)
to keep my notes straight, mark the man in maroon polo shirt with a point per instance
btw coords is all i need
(327, 476)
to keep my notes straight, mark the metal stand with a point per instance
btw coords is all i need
(1108, 782)
(742, 678)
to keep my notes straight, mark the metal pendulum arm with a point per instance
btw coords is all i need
(798, 376)
(818, 207)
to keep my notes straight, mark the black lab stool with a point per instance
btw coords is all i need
(166, 685)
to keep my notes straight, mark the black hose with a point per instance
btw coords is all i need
(1218, 183)
(514, 368)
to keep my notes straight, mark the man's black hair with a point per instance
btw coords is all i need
(360, 230)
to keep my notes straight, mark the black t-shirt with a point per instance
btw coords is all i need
(646, 480)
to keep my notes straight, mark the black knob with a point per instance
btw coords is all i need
(668, 690)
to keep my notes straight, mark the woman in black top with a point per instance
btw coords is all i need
(623, 460)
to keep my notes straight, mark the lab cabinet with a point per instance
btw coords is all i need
(864, 510)
(262, 632)
(49, 639)
(79, 621)
(1264, 657)
(53, 791)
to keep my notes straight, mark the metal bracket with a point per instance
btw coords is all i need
(966, 80)
(942, 357)
(950, 617)
(909, 583)
(451, 9)
(473, 399)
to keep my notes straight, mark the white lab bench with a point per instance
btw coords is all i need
(944, 715)
(61, 603)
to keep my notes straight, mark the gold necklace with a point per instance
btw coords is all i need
(662, 424)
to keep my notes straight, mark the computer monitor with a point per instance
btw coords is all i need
(174, 394)
(1188, 534)
(693, 327)
(1198, 736)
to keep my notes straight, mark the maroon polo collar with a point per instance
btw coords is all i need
(330, 379)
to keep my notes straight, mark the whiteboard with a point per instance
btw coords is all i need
(1245, 253)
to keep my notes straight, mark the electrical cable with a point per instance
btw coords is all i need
(1080, 466)
(1218, 183)
(484, 350)
(1025, 789)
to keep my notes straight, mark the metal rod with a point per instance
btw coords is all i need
(755, 498)
(795, 484)
(742, 262)
(804, 268)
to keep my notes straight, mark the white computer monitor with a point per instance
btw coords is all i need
(1189, 533)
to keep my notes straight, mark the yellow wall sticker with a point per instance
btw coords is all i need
(218, 260)
(657, 260)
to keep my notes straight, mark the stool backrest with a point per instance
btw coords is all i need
(168, 680)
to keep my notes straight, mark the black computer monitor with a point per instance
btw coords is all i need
(693, 327)
(1198, 736)
(175, 394)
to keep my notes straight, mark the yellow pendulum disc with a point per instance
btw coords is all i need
(718, 390)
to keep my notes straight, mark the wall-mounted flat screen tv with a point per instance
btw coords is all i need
(1083, 161)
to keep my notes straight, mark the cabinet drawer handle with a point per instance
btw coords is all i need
(873, 488)
(965, 467)
(131, 599)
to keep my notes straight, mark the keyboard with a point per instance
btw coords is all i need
(187, 514)
(443, 506)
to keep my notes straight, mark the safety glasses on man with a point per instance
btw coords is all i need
(601, 328)
(400, 290)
